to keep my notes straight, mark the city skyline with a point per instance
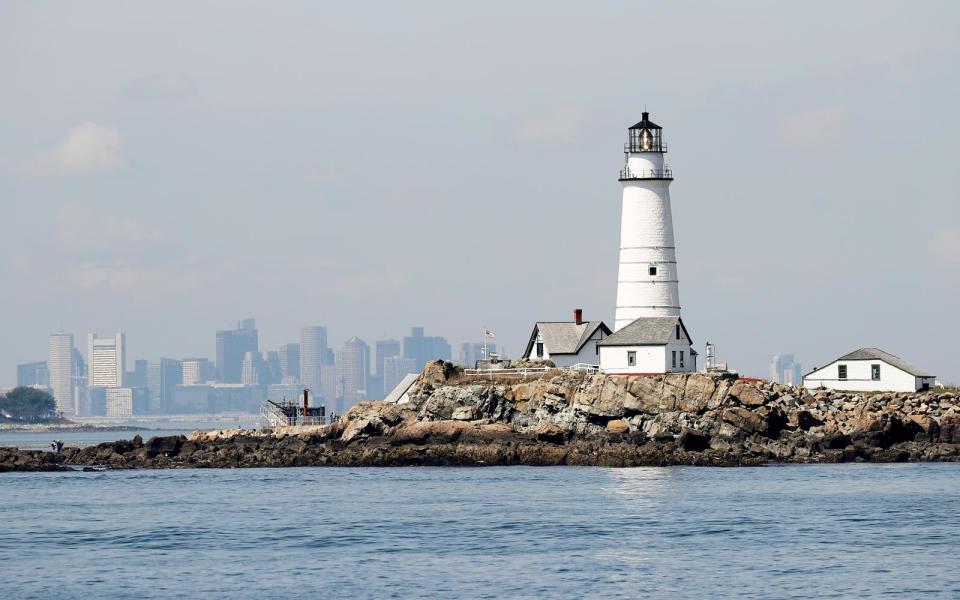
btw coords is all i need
(172, 192)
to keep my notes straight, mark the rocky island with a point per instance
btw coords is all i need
(563, 417)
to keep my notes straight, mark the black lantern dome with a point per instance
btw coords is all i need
(645, 136)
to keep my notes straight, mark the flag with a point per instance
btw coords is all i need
(489, 334)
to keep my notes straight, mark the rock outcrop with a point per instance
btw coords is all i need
(572, 418)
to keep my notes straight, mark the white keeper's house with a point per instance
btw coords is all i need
(567, 343)
(649, 345)
(869, 370)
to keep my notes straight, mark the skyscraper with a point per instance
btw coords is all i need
(386, 349)
(198, 370)
(353, 367)
(163, 376)
(106, 360)
(313, 355)
(289, 355)
(33, 374)
(422, 349)
(232, 344)
(251, 371)
(395, 368)
(784, 369)
(61, 367)
(137, 378)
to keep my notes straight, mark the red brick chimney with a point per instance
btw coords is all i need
(578, 315)
(306, 395)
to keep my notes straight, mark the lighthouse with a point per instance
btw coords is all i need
(647, 282)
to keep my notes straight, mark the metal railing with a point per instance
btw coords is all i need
(627, 174)
(523, 372)
(640, 147)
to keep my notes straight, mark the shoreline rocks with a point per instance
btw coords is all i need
(568, 418)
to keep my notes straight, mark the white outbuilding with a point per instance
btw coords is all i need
(869, 370)
(649, 345)
(566, 343)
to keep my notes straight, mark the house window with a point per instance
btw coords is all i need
(674, 359)
(631, 358)
(678, 331)
(653, 271)
(681, 359)
(841, 371)
(540, 349)
(875, 372)
(596, 346)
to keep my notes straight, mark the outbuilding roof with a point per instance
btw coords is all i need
(564, 337)
(878, 354)
(647, 331)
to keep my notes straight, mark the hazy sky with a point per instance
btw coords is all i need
(169, 167)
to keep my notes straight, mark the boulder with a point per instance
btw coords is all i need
(748, 394)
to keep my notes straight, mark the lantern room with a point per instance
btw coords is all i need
(646, 136)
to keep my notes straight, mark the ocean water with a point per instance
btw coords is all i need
(824, 531)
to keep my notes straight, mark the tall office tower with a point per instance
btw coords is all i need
(232, 344)
(137, 378)
(354, 369)
(198, 370)
(313, 355)
(784, 369)
(106, 360)
(422, 349)
(289, 355)
(471, 352)
(386, 349)
(163, 376)
(272, 372)
(33, 374)
(61, 365)
(395, 368)
(330, 388)
(252, 370)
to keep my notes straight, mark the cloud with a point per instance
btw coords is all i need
(88, 149)
(812, 126)
(560, 125)
(161, 88)
(945, 246)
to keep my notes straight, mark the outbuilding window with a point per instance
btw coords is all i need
(681, 359)
(631, 358)
(652, 271)
(875, 372)
(678, 331)
(540, 349)
(841, 371)
(673, 359)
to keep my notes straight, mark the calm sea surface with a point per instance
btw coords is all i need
(846, 531)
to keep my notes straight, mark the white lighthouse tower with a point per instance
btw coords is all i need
(647, 285)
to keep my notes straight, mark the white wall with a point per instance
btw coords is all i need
(650, 359)
(858, 378)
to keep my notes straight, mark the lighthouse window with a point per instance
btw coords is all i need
(653, 270)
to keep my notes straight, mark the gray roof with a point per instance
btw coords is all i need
(878, 354)
(564, 337)
(646, 331)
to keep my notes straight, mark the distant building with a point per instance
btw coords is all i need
(33, 374)
(783, 369)
(216, 398)
(353, 366)
(313, 355)
(649, 345)
(331, 388)
(163, 376)
(198, 370)
(61, 367)
(137, 378)
(567, 343)
(423, 349)
(869, 370)
(123, 402)
(106, 361)
(395, 368)
(471, 352)
(290, 392)
(251, 370)
(232, 345)
(289, 357)
(386, 349)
